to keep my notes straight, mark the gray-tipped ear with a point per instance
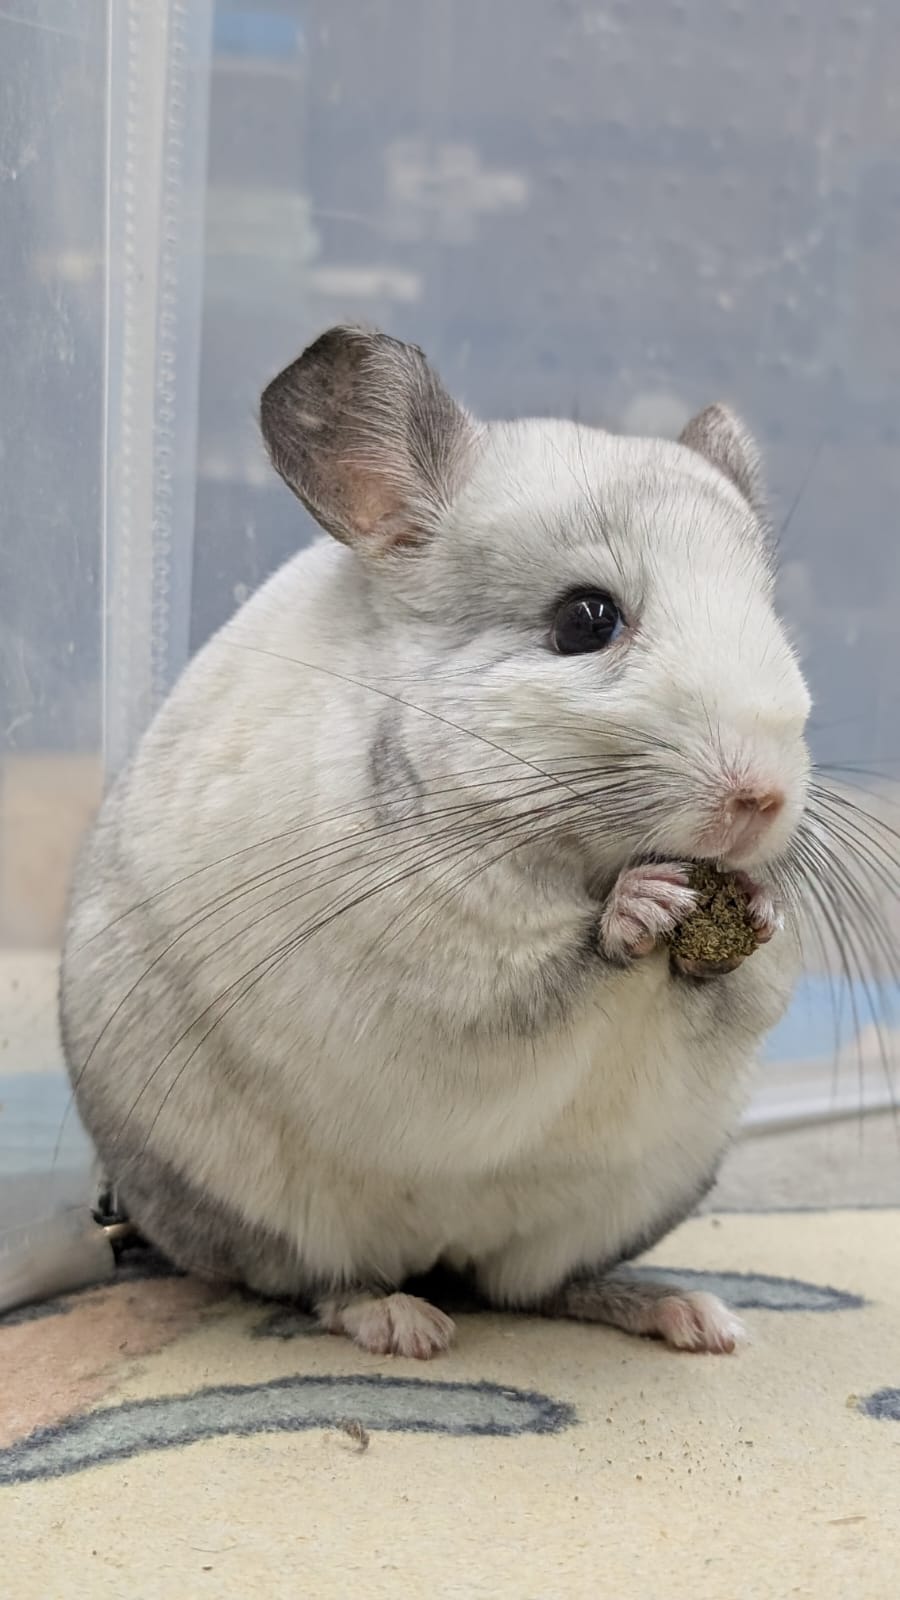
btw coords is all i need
(367, 437)
(724, 441)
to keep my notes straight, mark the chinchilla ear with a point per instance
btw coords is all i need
(365, 434)
(722, 439)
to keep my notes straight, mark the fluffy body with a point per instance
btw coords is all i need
(328, 1031)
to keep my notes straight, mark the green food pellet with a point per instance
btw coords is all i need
(719, 928)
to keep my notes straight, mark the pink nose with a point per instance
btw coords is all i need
(742, 818)
(755, 804)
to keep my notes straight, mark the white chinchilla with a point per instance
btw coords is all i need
(366, 966)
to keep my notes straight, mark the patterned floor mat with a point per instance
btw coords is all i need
(161, 1441)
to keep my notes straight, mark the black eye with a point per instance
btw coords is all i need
(586, 622)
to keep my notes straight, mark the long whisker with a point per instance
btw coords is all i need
(361, 683)
(315, 858)
(320, 819)
(863, 944)
(256, 972)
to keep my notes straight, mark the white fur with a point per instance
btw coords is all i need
(359, 1099)
(390, 1325)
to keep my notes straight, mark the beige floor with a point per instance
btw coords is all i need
(672, 1477)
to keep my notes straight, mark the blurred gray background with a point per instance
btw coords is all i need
(616, 211)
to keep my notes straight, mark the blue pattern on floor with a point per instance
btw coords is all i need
(281, 1405)
(883, 1405)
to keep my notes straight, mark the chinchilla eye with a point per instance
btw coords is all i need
(586, 622)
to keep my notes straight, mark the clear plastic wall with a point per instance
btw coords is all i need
(617, 211)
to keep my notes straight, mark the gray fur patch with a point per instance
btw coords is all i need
(201, 1235)
(395, 781)
(552, 990)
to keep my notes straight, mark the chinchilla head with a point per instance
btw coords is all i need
(598, 607)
